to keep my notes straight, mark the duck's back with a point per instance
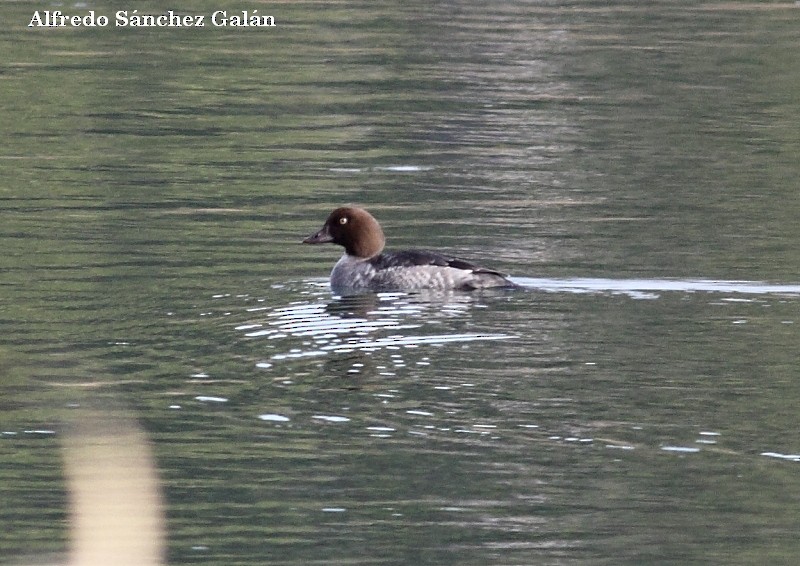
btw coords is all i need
(412, 270)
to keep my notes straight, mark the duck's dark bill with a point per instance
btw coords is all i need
(321, 237)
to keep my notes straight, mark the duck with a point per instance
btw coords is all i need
(365, 266)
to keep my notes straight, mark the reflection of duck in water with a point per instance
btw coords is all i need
(365, 305)
(366, 267)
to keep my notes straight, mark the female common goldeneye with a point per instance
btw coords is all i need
(366, 267)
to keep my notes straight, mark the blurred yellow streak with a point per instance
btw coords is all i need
(116, 509)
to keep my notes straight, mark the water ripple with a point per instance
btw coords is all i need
(351, 324)
(649, 288)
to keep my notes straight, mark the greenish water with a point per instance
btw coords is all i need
(156, 184)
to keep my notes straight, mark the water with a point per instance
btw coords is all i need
(633, 166)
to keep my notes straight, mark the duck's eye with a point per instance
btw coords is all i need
(343, 220)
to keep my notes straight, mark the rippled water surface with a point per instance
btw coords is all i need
(634, 167)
